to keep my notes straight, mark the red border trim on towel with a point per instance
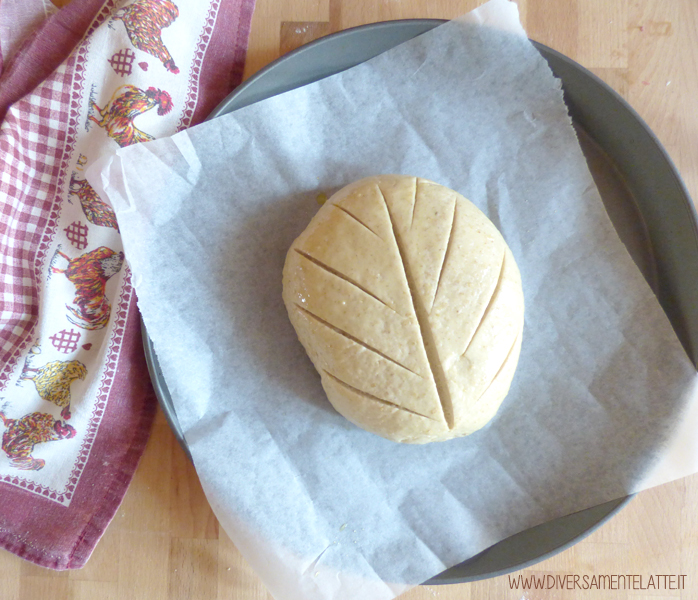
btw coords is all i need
(44, 50)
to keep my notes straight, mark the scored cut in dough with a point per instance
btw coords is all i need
(409, 304)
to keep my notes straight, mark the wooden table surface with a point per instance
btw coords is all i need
(165, 542)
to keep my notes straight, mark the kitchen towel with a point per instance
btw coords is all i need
(76, 402)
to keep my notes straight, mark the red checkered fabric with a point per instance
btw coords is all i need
(31, 141)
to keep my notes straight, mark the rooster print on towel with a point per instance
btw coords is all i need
(127, 102)
(21, 435)
(52, 381)
(144, 21)
(97, 211)
(89, 273)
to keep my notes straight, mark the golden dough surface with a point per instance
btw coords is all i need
(409, 304)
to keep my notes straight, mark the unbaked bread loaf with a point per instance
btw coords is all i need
(409, 304)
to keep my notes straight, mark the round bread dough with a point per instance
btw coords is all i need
(409, 304)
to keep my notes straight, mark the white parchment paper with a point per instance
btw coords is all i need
(320, 508)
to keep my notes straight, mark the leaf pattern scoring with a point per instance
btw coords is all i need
(409, 303)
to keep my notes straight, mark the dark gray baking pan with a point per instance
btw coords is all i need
(641, 189)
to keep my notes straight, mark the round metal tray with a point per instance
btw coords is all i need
(640, 187)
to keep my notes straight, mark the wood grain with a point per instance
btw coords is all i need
(165, 541)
